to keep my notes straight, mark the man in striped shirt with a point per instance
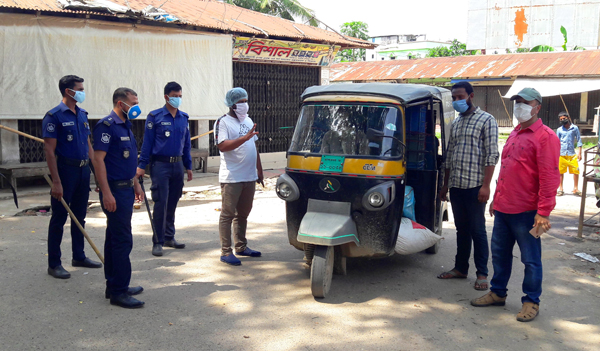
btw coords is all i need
(471, 159)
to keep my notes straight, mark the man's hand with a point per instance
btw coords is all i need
(109, 202)
(251, 133)
(139, 194)
(139, 172)
(190, 174)
(543, 222)
(579, 156)
(484, 194)
(57, 190)
(444, 193)
(492, 209)
(261, 178)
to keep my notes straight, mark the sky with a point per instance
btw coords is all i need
(441, 20)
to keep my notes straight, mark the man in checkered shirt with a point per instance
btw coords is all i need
(471, 159)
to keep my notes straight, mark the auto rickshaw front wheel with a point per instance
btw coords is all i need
(321, 270)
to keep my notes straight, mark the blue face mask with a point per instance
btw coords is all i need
(78, 96)
(460, 105)
(175, 101)
(134, 111)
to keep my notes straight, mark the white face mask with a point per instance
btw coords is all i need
(522, 112)
(241, 111)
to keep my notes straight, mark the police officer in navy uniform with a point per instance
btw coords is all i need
(167, 147)
(115, 156)
(68, 152)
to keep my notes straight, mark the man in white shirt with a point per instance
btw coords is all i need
(240, 170)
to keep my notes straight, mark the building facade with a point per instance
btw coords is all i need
(401, 47)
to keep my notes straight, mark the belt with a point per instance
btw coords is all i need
(168, 159)
(121, 184)
(73, 162)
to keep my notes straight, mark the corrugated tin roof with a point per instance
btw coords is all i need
(215, 15)
(543, 64)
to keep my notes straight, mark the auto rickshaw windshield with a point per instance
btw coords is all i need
(338, 129)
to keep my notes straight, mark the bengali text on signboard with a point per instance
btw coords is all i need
(280, 51)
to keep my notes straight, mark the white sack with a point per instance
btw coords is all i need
(413, 238)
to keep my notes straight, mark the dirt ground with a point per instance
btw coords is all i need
(195, 302)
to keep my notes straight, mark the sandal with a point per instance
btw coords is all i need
(453, 274)
(577, 193)
(560, 193)
(528, 312)
(479, 283)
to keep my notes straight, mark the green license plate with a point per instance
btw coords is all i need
(331, 163)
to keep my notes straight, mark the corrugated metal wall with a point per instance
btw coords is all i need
(553, 105)
(488, 99)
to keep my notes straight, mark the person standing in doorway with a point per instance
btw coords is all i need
(568, 133)
(240, 170)
(525, 196)
(68, 150)
(115, 153)
(471, 159)
(167, 147)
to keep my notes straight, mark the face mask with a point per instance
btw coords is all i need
(78, 96)
(522, 112)
(460, 105)
(564, 122)
(241, 111)
(134, 111)
(175, 101)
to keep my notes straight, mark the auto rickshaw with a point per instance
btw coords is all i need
(354, 149)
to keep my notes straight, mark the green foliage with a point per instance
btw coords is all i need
(456, 49)
(287, 9)
(577, 48)
(563, 30)
(358, 30)
(541, 48)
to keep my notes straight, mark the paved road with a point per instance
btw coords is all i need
(194, 302)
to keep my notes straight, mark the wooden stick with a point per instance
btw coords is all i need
(201, 135)
(503, 103)
(74, 219)
(565, 105)
(21, 133)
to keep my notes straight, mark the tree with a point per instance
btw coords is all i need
(287, 9)
(456, 49)
(358, 30)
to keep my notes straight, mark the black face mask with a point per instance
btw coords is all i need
(564, 122)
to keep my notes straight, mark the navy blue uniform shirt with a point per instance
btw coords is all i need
(115, 137)
(166, 136)
(70, 130)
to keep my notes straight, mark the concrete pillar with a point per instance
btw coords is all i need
(583, 109)
(9, 142)
(325, 75)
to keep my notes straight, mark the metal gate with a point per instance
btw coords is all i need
(274, 97)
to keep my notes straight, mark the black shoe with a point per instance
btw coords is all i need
(130, 291)
(126, 301)
(157, 250)
(59, 272)
(174, 243)
(86, 263)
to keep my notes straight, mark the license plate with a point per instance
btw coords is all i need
(331, 163)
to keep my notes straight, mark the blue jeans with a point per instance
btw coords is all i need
(166, 189)
(509, 228)
(469, 219)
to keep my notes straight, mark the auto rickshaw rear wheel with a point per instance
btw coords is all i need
(321, 270)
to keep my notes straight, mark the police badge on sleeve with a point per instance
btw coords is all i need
(50, 127)
(105, 138)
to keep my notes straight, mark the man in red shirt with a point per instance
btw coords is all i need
(525, 196)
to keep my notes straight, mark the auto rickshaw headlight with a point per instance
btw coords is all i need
(376, 199)
(285, 190)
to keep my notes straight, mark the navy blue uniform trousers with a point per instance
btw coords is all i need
(76, 192)
(118, 242)
(167, 186)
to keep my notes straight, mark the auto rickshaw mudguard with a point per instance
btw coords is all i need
(327, 223)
